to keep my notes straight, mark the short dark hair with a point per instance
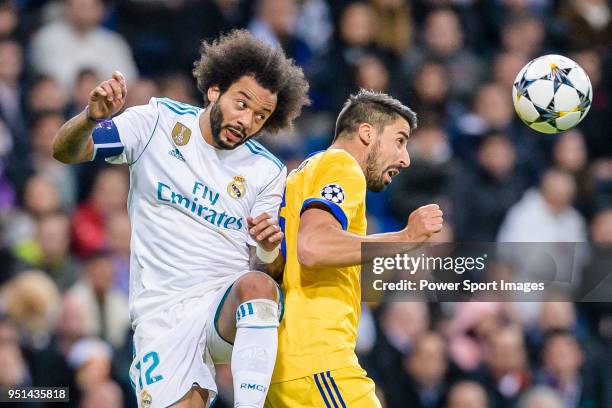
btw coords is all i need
(236, 54)
(376, 108)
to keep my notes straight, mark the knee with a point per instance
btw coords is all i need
(255, 285)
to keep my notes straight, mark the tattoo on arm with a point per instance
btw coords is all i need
(73, 142)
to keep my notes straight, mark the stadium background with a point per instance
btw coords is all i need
(64, 232)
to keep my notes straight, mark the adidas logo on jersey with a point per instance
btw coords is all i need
(176, 154)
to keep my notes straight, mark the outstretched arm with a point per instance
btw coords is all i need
(73, 142)
(323, 242)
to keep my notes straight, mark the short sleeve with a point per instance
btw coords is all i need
(270, 197)
(340, 185)
(124, 138)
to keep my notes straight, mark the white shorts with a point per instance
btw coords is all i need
(177, 349)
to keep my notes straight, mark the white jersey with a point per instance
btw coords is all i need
(188, 202)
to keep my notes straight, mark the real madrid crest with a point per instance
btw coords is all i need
(237, 187)
(145, 399)
(181, 134)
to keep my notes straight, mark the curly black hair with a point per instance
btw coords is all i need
(236, 54)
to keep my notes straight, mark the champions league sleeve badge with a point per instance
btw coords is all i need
(333, 193)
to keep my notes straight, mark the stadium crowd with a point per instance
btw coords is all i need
(65, 232)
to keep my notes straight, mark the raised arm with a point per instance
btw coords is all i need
(323, 242)
(73, 142)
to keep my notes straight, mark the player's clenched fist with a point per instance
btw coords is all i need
(108, 98)
(423, 223)
(265, 231)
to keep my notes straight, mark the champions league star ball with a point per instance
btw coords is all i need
(552, 94)
(333, 193)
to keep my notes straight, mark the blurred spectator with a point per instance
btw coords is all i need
(429, 94)
(556, 316)
(357, 25)
(109, 195)
(172, 43)
(588, 23)
(14, 371)
(11, 69)
(486, 193)
(72, 324)
(597, 281)
(467, 394)
(106, 308)
(355, 38)
(49, 365)
(106, 394)
(7, 192)
(44, 128)
(430, 175)
(601, 183)
(401, 323)
(570, 154)
(31, 300)
(443, 40)
(274, 23)
(314, 25)
(523, 34)
(506, 67)
(178, 87)
(6, 142)
(50, 250)
(91, 358)
(470, 326)
(599, 119)
(493, 107)
(561, 362)
(546, 214)
(506, 372)
(140, 92)
(62, 48)
(8, 18)
(119, 230)
(45, 94)
(86, 81)
(492, 111)
(40, 197)
(426, 384)
(393, 25)
(371, 73)
(540, 397)
(601, 227)
(563, 369)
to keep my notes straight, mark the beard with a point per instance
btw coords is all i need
(216, 127)
(373, 174)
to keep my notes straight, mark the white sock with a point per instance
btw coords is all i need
(254, 352)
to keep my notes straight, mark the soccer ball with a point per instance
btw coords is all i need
(552, 94)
